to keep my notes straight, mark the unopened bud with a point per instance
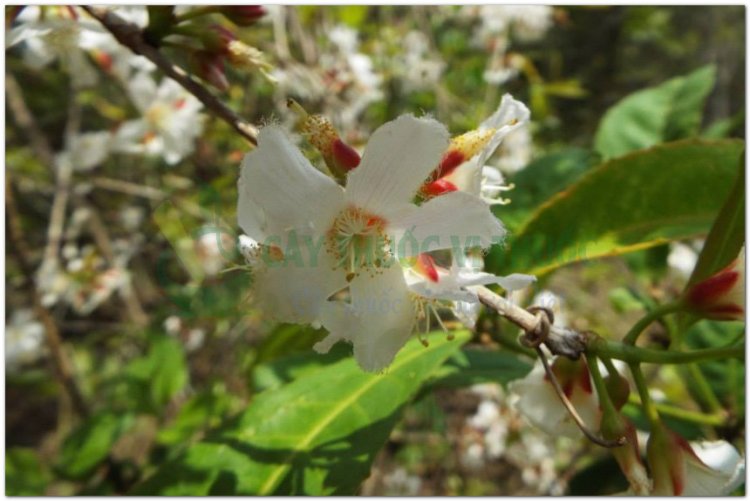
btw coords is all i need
(217, 39)
(722, 295)
(320, 132)
(628, 456)
(618, 389)
(425, 266)
(437, 188)
(243, 15)
(210, 67)
(461, 149)
(571, 374)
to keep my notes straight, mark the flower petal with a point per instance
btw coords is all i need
(295, 290)
(454, 221)
(292, 193)
(511, 115)
(378, 322)
(398, 158)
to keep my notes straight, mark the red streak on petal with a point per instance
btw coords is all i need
(104, 60)
(585, 380)
(344, 155)
(439, 187)
(426, 267)
(179, 104)
(451, 159)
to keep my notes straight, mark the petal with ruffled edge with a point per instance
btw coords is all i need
(510, 115)
(378, 322)
(399, 156)
(292, 193)
(454, 221)
(295, 290)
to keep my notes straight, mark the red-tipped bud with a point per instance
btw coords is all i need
(210, 67)
(722, 295)
(243, 15)
(628, 456)
(319, 131)
(103, 59)
(437, 188)
(217, 39)
(425, 266)
(572, 374)
(461, 149)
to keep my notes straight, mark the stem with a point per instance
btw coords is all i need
(201, 11)
(703, 389)
(632, 336)
(605, 402)
(634, 354)
(684, 414)
(648, 405)
(131, 37)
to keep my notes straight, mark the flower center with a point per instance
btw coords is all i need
(358, 242)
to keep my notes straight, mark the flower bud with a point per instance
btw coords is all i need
(210, 67)
(618, 389)
(628, 457)
(217, 39)
(437, 188)
(461, 149)
(243, 15)
(319, 131)
(722, 295)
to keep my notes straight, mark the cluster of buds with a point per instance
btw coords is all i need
(243, 15)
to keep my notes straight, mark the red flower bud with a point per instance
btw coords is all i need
(210, 67)
(437, 188)
(722, 295)
(243, 15)
(217, 39)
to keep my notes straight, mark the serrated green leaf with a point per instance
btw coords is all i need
(668, 112)
(649, 197)
(89, 444)
(317, 435)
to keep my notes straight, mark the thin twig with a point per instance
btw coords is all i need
(133, 189)
(20, 248)
(131, 36)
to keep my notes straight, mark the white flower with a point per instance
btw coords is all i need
(86, 150)
(526, 22)
(682, 258)
(170, 122)
(472, 173)
(24, 340)
(516, 150)
(318, 239)
(56, 36)
(536, 399)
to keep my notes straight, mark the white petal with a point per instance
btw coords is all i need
(377, 323)
(511, 115)
(722, 473)
(128, 137)
(295, 290)
(142, 90)
(292, 193)
(454, 221)
(398, 158)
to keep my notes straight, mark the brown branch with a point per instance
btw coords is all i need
(20, 248)
(131, 36)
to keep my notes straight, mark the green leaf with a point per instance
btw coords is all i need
(24, 473)
(727, 235)
(541, 179)
(317, 435)
(474, 366)
(154, 379)
(89, 444)
(670, 111)
(649, 197)
(200, 412)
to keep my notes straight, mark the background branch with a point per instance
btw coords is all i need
(131, 36)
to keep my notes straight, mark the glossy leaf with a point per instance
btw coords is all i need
(668, 192)
(474, 366)
(317, 435)
(670, 111)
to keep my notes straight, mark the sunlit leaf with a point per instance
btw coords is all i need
(317, 435)
(668, 192)
(670, 111)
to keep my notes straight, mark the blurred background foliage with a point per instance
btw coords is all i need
(183, 351)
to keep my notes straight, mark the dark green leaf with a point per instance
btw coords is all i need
(317, 435)
(89, 444)
(647, 198)
(24, 473)
(670, 111)
(473, 366)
